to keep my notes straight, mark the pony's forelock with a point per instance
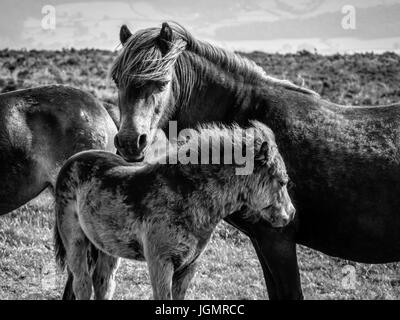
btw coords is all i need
(141, 60)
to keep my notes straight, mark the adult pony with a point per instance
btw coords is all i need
(40, 129)
(345, 161)
(145, 212)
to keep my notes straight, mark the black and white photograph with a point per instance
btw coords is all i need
(208, 150)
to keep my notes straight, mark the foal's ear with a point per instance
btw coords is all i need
(264, 153)
(124, 34)
(165, 38)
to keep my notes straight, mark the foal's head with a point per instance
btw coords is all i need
(262, 188)
(267, 188)
(143, 72)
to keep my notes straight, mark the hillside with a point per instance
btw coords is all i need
(347, 79)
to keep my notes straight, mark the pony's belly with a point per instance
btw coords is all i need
(367, 238)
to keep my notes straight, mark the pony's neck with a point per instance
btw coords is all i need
(206, 91)
(228, 88)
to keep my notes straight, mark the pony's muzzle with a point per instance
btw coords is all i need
(131, 148)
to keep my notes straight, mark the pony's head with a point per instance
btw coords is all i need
(268, 194)
(161, 73)
(143, 74)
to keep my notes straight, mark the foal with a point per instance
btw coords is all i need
(162, 213)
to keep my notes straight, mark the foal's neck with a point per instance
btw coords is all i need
(218, 184)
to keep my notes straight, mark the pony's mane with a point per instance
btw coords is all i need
(136, 64)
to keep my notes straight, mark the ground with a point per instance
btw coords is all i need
(229, 269)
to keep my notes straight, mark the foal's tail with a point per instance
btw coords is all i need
(59, 248)
(58, 244)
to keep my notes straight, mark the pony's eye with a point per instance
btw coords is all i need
(161, 85)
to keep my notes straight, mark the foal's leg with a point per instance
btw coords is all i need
(161, 269)
(161, 272)
(181, 280)
(104, 276)
(68, 291)
(91, 260)
(77, 263)
(76, 246)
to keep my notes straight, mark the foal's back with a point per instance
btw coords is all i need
(112, 199)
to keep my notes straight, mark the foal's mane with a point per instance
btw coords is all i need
(141, 60)
(217, 136)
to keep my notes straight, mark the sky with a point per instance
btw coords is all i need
(325, 26)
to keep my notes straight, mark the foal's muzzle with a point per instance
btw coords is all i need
(281, 217)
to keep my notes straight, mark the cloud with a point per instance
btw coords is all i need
(371, 23)
(244, 23)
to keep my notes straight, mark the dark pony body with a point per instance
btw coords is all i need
(40, 129)
(344, 161)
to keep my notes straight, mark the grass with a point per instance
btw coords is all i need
(229, 268)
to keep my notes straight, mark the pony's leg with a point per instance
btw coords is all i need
(181, 280)
(276, 251)
(281, 257)
(245, 227)
(104, 276)
(269, 279)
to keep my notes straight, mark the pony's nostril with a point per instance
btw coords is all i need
(142, 141)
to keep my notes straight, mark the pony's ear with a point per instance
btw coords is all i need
(264, 153)
(165, 38)
(124, 34)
